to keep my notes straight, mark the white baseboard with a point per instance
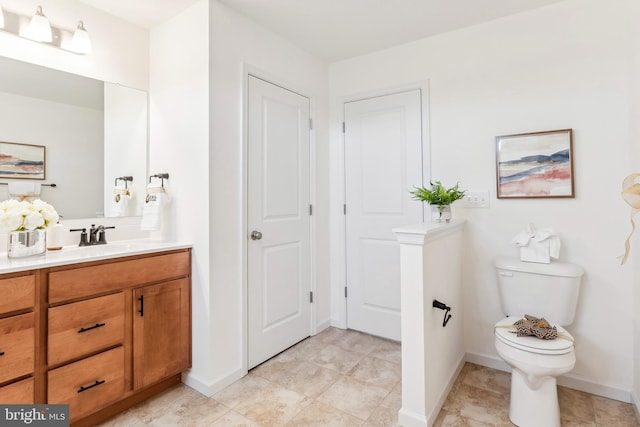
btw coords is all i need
(411, 419)
(571, 381)
(209, 388)
(338, 323)
(321, 326)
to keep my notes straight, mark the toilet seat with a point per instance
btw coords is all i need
(532, 344)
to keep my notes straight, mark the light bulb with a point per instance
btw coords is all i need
(81, 42)
(39, 27)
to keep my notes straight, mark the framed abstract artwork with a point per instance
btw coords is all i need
(22, 161)
(535, 165)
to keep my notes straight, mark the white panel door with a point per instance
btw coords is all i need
(383, 162)
(278, 259)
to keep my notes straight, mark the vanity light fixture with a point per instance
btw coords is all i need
(81, 42)
(39, 28)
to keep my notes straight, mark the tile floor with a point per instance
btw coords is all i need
(346, 378)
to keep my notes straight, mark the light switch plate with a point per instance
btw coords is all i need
(476, 199)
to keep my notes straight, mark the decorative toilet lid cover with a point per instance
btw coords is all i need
(561, 345)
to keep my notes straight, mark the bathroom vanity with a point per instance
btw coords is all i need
(99, 328)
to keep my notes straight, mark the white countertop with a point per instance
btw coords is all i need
(76, 254)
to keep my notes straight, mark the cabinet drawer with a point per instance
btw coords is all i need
(17, 346)
(20, 392)
(18, 293)
(85, 327)
(86, 281)
(89, 384)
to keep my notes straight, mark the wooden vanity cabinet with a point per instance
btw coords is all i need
(161, 331)
(110, 333)
(17, 338)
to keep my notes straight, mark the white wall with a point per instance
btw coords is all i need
(69, 133)
(634, 167)
(126, 123)
(561, 66)
(120, 49)
(237, 45)
(179, 134)
(196, 101)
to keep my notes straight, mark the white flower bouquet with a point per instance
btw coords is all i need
(26, 216)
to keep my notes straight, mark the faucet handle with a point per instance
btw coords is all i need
(102, 240)
(83, 236)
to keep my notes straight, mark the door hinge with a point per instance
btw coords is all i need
(310, 123)
(345, 291)
(344, 127)
(344, 209)
(311, 296)
(310, 210)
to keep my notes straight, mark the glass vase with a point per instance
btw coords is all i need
(26, 243)
(440, 213)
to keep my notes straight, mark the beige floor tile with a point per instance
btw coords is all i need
(377, 372)
(576, 405)
(320, 415)
(323, 382)
(125, 419)
(614, 413)
(297, 375)
(487, 378)
(331, 335)
(274, 406)
(354, 397)
(336, 358)
(233, 419)
(480, 405)
(572, 422)
(238, 392)
(387, 350)
(358, 342)
(453, 420)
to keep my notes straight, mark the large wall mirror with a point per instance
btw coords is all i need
(93, 132)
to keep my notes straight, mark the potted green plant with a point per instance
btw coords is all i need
(440, 199)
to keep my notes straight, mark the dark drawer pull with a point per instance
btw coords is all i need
(141, 311)
(1, 353)
(96, 384)
(97, 325)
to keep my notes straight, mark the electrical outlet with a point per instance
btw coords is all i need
(476, 199)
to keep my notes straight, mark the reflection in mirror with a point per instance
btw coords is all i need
(93, 132)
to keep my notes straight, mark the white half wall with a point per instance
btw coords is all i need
(565, 65)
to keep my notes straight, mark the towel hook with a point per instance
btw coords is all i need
(125, 179)
(161, 176)
(446, 308)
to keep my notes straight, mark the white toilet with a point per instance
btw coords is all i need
(541, 290)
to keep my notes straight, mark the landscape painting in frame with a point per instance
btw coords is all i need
(538, 164)
(22, 161)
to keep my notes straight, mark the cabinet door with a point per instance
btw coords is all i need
(161, 331)
(17, 346)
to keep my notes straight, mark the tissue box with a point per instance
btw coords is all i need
(536, 252)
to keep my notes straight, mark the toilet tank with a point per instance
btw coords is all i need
(541, 290)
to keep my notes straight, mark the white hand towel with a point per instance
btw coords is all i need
(152, 211)
(120, 201)
(24, 190)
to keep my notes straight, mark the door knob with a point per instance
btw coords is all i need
(256, 235)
